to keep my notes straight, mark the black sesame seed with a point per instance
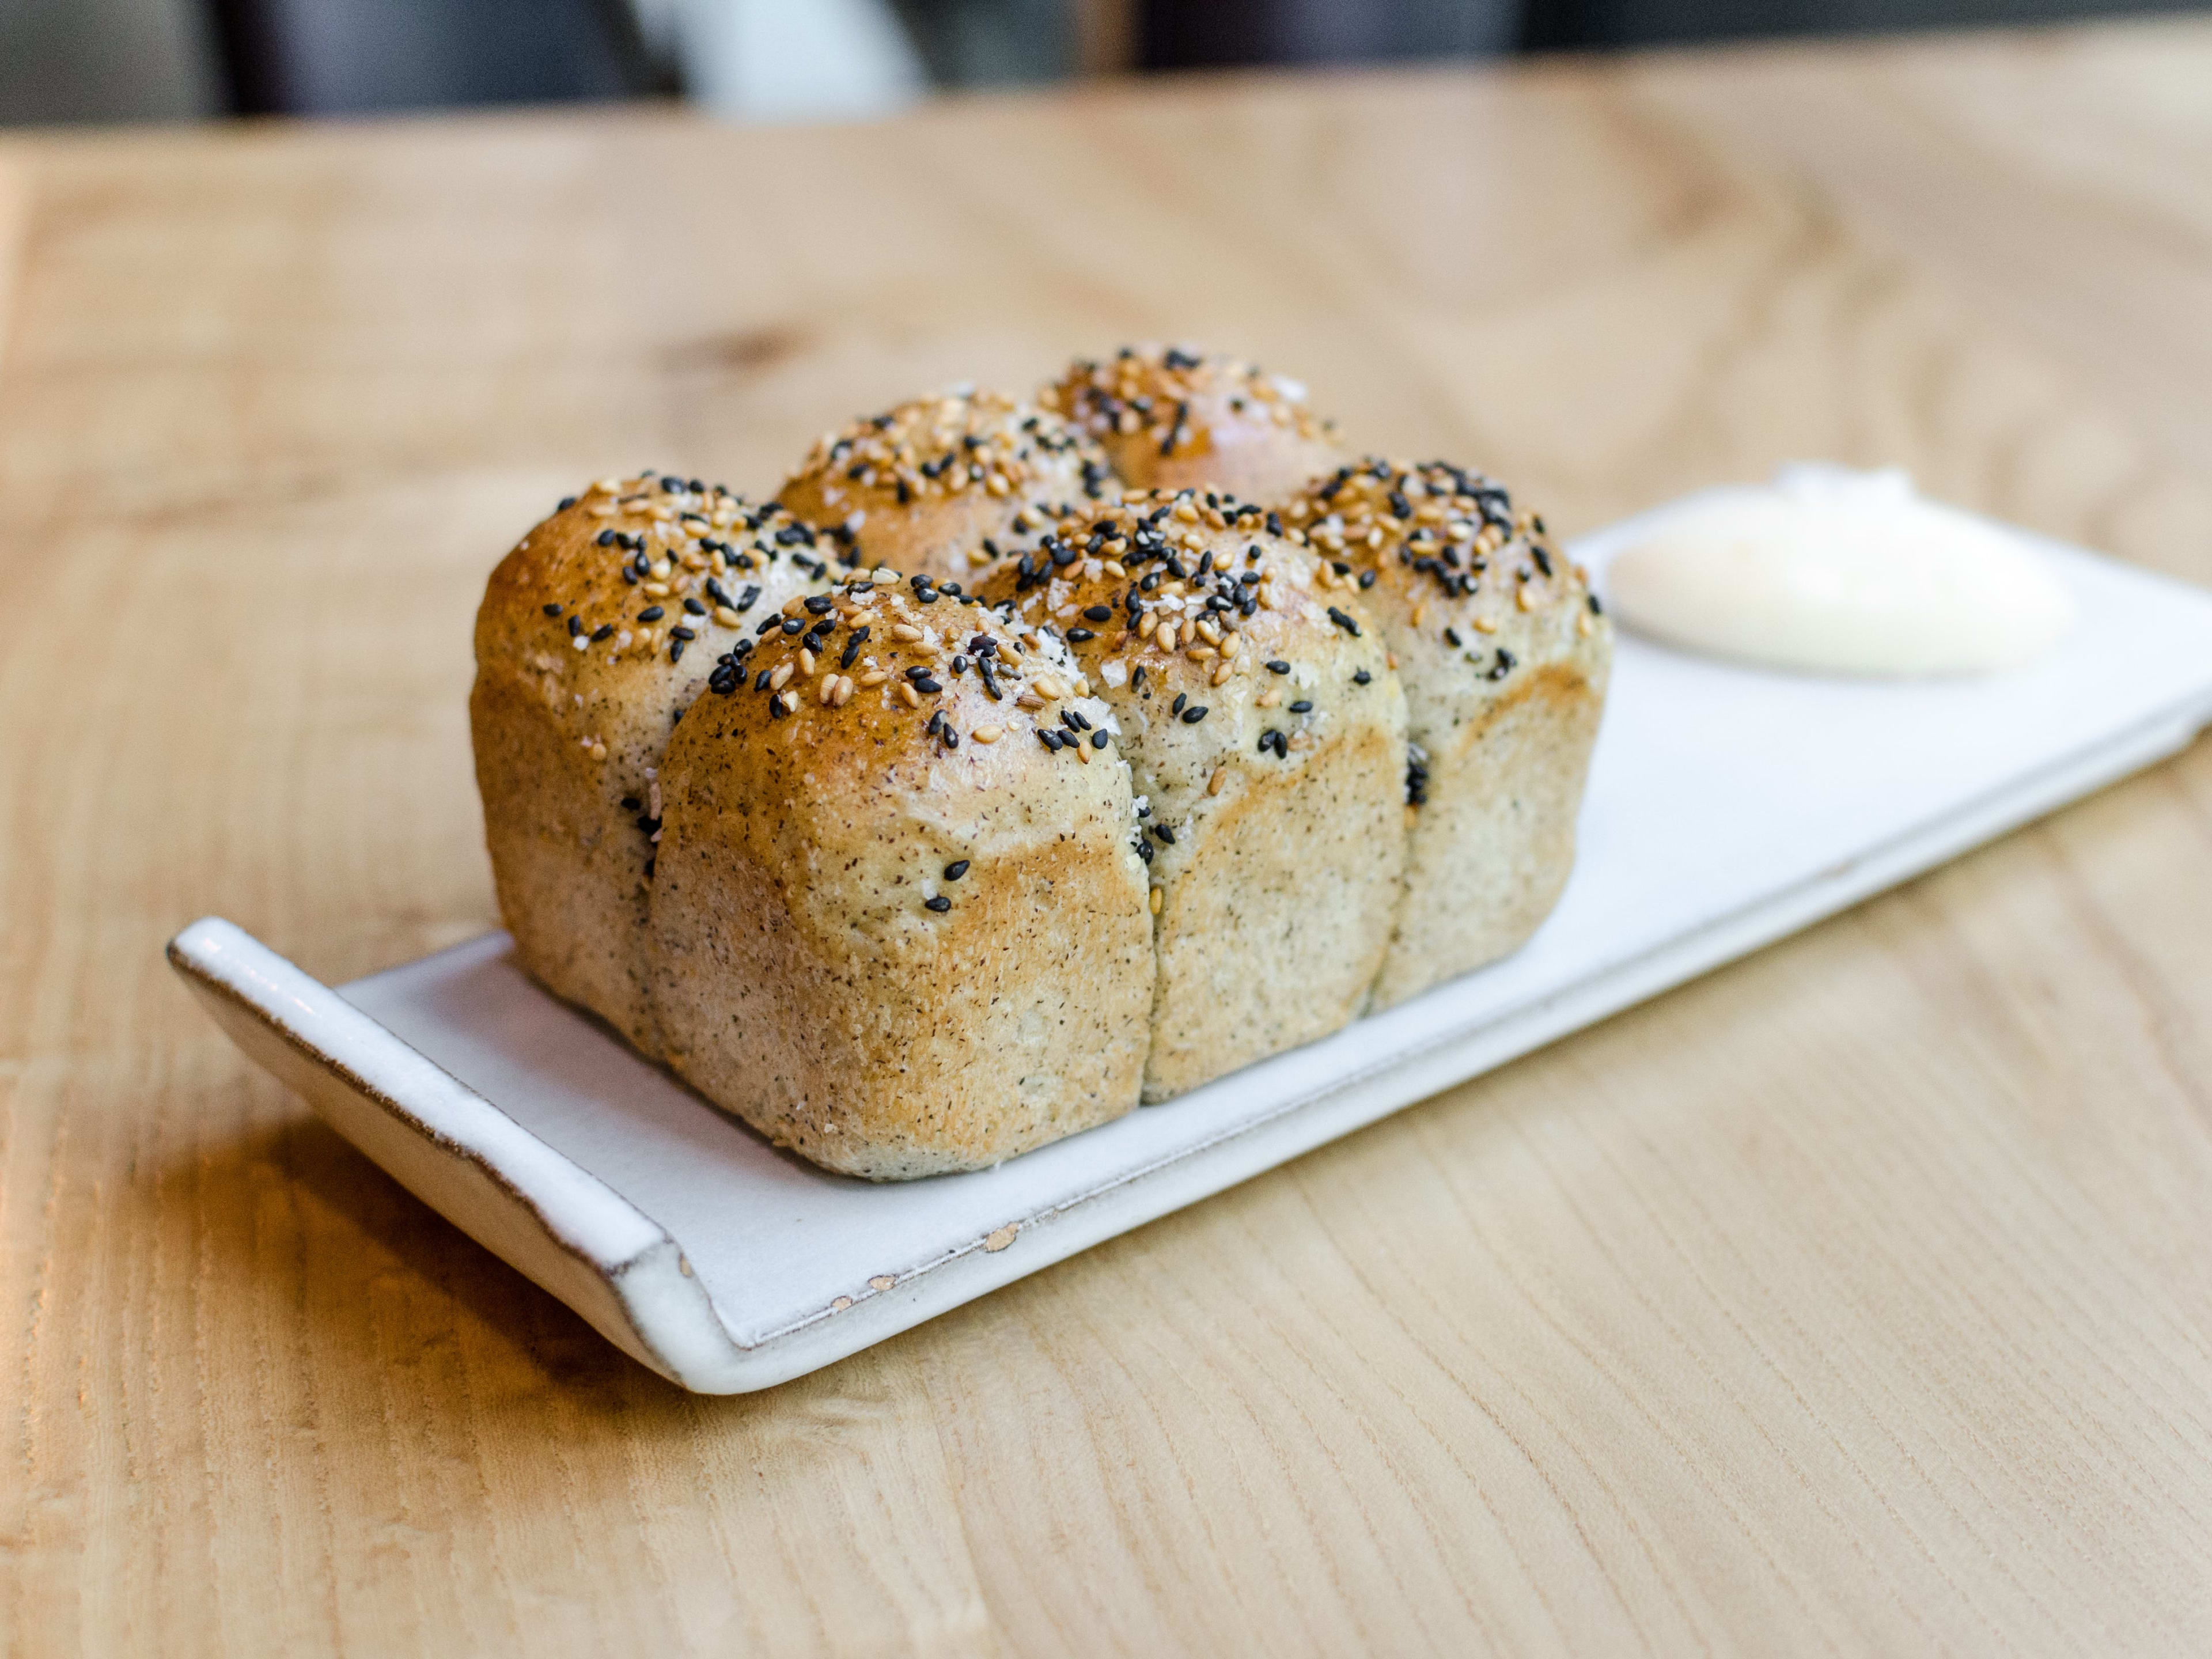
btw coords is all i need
(792, 624)
(820, 603)
(1344, 622)
(1278, 666)
(1176, 707)
(1049, 738)
(957, 869)
(1099, 613)
(1596, 610)
(1302, 706)
(1164, 833)
(675, 649)
(1362, 678)
(1097, 740)
(651, 613)
(940, 904)
(1192, 716)
(604, 538)
(602, 632)
(1451, 638)
(695, 607)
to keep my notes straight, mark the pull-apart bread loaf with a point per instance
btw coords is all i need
(1170, 419)
(899, 923)
(942, 486)
(1504, 654)
(1266, 739)
(595, 633)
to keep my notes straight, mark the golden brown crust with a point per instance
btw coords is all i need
(1170, 418)
(896, 928)
(595, 633)
(1504, 654)
(1265, 734)
(941, 486)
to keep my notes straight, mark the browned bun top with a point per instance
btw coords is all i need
(1170, 418)
(925, 486)
(882, 670)
(1192, 585)
(1444, 553)
(624, 579)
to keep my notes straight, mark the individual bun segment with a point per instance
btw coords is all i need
(1504, 653)
(595, 633)
(942, 486)
(1266, 736)
(1170, 418)
(899, 924)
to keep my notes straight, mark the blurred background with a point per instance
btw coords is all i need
(64, 61)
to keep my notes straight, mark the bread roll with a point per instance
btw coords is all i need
(1266, 740)
(942, 486)
(1504, 655)
(896, 931)
(1172, 419)
(595, 633)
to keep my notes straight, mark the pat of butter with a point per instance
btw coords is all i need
(1832, 571)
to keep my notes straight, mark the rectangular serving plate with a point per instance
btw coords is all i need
(1726, 808)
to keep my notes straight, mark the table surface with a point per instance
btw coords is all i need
(1855, 1298)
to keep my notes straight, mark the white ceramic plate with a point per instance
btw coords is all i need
(1726, 808)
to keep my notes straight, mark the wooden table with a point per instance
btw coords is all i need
(1857, 1298)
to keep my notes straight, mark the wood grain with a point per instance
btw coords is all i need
(1853, 1299)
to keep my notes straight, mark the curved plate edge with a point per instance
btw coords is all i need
(551, 1221)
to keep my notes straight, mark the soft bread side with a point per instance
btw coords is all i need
(1504, 654)
(895, 930)
(1266, 736)
(594, 634)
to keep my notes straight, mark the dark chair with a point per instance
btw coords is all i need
(339, 57)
